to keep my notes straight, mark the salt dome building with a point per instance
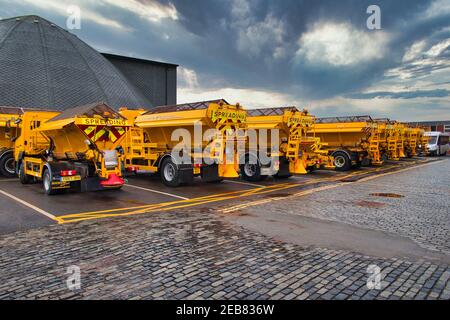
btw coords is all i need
(43, 65)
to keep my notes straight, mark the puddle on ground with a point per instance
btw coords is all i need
(369, 204)
(278, 195)
(237, 213)
(350, 179)
(387, 195)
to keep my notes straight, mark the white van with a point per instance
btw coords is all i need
(438, 143)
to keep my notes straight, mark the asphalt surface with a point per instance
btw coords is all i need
(21, 203)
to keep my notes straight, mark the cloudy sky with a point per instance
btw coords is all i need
(314, 54)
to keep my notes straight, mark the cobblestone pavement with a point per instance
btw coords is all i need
(414, 204)
(195, 255)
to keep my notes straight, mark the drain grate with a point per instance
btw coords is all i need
(387, 195)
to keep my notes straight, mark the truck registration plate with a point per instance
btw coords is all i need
(71, 178)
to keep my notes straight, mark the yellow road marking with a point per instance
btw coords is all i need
(170, 205)
(166, 206)
(264, 201)
(162, 203)
(190, 202)
(318, 189)
(397, 171)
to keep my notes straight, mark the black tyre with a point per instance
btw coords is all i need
(23, 177)
(342, 161)
(170, 174)
(250, 171)
(282, 176)
(7, 165)
(47, 183)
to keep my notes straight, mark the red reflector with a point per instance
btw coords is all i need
(113, 180)
(66, 173)
(197, 165)
(132, 169)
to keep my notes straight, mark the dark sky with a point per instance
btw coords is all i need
(314, 54)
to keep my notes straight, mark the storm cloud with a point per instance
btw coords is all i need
(318, 54)
(438, 93)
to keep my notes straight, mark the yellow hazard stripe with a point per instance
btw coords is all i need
(120, 130)
(88, 130)
(98, 135)
(112, 137)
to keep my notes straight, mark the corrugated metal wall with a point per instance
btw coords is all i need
(156, 81)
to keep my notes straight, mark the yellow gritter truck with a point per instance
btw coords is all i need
(295, 149)
(78, 148)
(8, 131)
(391, 139)
(156, 143)
(352, 140)
(411, 141)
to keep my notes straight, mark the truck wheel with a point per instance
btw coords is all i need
(7, 166)
(342, 161)
(251, 172)
(23, 177)
(47, 183)
(170, 174)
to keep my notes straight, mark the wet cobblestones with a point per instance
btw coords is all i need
(195, 255)
(421, 213)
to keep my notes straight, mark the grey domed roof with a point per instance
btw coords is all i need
(43, 65)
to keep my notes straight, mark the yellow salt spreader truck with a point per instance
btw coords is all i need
(184, 141)
(78, 148)
(279, 144)
(411, 141)
(352, 140)
(8, 131)
(391, 139)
